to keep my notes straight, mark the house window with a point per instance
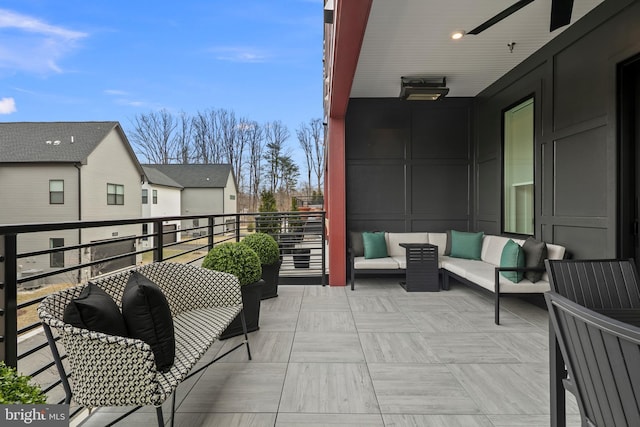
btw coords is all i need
(518, 191)
(232, 196)
(155, 197)
(56, 192)
(115, 194)
(145, 196)
(145, 232)
(56, 259)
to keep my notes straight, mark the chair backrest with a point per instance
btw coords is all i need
(596, 283)
(603, 359)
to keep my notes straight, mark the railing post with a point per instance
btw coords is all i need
(237, 227)
(210, 226)
(324, 249)
(9, 299)
(158, 241)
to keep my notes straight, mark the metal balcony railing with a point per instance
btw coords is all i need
(38, 259)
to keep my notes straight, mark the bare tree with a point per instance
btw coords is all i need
(255, 142)
(317, 140)
(183, 144)
(304, 139)
(231, 142)
(207, 137)
(276, 134)
(153, 135)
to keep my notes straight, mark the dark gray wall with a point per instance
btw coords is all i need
(573, 80)
(408, 164)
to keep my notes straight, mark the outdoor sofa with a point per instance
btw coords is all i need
(480, 266)
(114, 370)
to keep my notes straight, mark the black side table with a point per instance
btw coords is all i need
(422, 268)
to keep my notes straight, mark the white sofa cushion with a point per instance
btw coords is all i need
(440, 240)
(401, 260)
(492, 249)
(388, 263)
(394, 240)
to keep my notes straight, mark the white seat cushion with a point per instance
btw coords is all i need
(401, 260)
(388, 263)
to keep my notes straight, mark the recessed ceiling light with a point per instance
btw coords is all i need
(457, 35)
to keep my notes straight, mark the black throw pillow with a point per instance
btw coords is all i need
(357, 245)
(535, 252)
(148, 317)
(96, 311)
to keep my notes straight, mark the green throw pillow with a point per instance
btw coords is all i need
(466, 245)
(374, 245)
(512, 256)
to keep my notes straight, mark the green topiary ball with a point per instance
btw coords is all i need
(265, 246)
(237, 259)
(15, 388)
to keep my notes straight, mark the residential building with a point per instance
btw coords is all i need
(161, 196)
(64, 171)
(206, 190)
(395, 164)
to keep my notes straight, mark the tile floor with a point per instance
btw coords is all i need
(376, 356)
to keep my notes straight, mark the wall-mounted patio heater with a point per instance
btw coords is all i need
(423, 88)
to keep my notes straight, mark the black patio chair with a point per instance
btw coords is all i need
(594, 284)
(602, 356)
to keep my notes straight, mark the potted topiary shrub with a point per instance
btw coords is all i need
(269, 253)
(241, 261)
(15, 388)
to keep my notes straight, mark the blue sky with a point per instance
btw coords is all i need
(77, 60)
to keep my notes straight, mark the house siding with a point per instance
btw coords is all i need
(408, 164)
(573, 80)
(230, 204)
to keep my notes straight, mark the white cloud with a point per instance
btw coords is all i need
(30, 44)
(239, 54)
(7, 106)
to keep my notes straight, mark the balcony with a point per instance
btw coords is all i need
(376, 356)
(323, 355)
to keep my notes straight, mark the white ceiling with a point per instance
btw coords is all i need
(413, 37)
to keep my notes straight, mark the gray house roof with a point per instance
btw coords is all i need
(64, 142)
(196, 176)
(154, 176)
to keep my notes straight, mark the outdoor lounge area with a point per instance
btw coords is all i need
(374, 357)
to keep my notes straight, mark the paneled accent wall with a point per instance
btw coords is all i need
(409, 164)
(573, 80)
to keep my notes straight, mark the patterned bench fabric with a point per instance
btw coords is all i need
(120, 371)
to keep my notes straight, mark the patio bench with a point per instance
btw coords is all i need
(483, 272)
(108, 370)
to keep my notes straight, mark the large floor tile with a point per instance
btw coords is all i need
(427, 301)
(506, 388)
(328, 388)
(327, 347)
(265, 346)
(326, 321)
(467, 347)
(278, 321)
(526, 346)
(529, 420)
(383, 322)
(329, 420)
(440, 321)
(396, 347)
(373, 304)
(325, 303)
(207, 419)
(419, 389)
(281, 303)
(237, 387)
(391, 420)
